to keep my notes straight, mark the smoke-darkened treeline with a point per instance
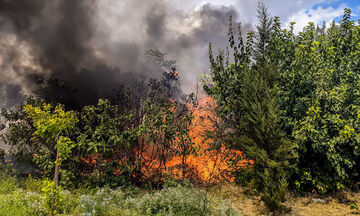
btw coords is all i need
(289, 102)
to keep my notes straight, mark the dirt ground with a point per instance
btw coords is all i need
(311, 205)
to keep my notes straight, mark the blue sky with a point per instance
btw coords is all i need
(354, 5)
(299, 11)
(325, 11)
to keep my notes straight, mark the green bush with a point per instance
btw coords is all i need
(173, 201)
(311, 97)
(319, 86)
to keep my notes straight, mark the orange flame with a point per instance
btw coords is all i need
(208, 166)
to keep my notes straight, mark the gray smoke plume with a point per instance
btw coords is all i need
(88, 49)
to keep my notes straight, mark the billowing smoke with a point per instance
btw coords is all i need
(88, 49)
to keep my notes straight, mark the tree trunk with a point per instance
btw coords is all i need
(56, 177)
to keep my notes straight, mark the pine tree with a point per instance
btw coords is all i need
(262, 138)
(264, 29)
(248, 101)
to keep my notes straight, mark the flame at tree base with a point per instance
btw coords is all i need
(208, 165)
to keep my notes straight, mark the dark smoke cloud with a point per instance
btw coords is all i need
(82, 50)
(56, 35)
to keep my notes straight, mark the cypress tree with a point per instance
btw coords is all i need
(263, 28)
(248, 101)
(262, 138)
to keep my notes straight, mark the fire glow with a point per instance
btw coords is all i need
(208, 166)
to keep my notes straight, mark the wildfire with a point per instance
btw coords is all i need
(207, 166)
(210, 165)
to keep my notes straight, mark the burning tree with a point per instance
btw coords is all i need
(166, 130)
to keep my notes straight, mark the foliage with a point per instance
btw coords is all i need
(21, 203)
(31, 184)
(226, 78)
(159, 58)
(184, 144)
(248, 98)
(8, 183)
(51, 192)
(50, 124)
(45, 161)
(319, 88)
(180, 201)
(107, 139)
(112, 145)
(168, 86)
(262, 138)
(353, 206)
(316, 77)
(166, 125)
(16, 201)
(263, 29)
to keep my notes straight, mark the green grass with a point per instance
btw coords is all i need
(16, 201)
(24, 197)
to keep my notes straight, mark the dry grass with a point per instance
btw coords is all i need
(241, 200)
(246, 203)
(332, 206)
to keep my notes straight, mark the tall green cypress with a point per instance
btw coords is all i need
(248, 101)
(264, 29)
(262, 138)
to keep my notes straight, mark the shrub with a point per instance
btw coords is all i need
(178, 200)
(181, 201)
